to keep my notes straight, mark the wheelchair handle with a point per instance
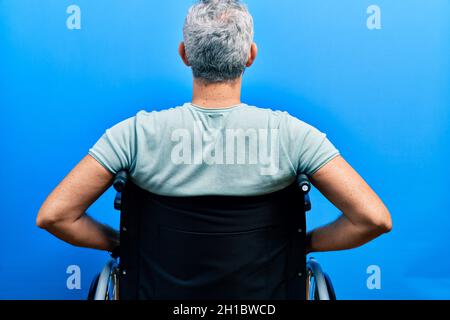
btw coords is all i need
(303, 183)
(120, 180)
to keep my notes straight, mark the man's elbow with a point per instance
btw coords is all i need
(46, 220)
(382, 224)
(42, 221)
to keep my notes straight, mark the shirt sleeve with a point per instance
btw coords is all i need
(116, 149)
(312, 149)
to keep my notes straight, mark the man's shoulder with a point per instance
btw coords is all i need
(257, 113)
(144, 113)
(156, 116)
(275, 112)
(282, 116)
(265, 110)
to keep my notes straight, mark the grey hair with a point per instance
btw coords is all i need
(218, 35)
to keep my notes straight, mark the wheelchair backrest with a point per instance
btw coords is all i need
(212, 247)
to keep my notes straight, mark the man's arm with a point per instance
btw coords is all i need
(364, 218)
(64, 211)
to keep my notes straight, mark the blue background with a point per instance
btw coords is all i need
(382, 96)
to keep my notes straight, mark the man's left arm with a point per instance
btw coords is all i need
(364, 216)
(64, 211)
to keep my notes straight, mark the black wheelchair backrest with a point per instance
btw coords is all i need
(213, 247)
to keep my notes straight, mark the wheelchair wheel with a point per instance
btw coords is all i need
(106, 284)
(93, 287)
(330, 287)
(319, 285)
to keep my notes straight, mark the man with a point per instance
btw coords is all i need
(215, 145)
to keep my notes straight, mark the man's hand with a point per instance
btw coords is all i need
(64, 211)
(364, 218)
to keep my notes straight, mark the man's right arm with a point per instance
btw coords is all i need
(364, 217)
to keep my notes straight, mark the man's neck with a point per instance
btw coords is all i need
(217, 95)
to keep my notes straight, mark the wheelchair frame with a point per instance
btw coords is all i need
(105, 285)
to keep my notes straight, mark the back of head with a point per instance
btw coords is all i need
(218, 35)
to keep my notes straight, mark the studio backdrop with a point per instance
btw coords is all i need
(374, 75)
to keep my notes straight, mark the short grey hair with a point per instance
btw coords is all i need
(218, 35)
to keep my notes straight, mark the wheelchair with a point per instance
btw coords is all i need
(134, 273)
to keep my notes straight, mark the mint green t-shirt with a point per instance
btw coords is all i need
(192, 151)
